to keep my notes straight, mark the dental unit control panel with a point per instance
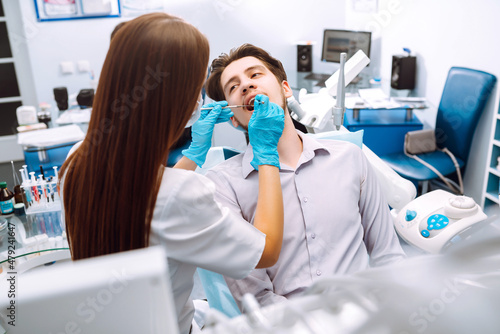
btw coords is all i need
(436, 219)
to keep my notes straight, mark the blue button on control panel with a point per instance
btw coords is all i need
(437, 222)
(410, 215)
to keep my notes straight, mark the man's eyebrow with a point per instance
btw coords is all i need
(249, 69)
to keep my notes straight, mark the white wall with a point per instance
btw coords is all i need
(274, 25)
(50, 43)
(441, 34)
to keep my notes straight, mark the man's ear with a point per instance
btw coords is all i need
(234, 122)
(286, 88)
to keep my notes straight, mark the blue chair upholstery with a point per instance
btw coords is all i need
(176, 154)
(218, 295)
(464, 97)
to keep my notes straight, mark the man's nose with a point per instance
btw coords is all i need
(248, 86)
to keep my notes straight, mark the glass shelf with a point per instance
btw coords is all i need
(29, 241)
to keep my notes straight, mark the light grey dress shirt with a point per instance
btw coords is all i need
(336, 218)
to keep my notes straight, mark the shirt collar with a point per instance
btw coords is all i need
(309, 147)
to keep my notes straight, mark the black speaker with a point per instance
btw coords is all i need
(85, 98)
(61, 97)
(304, 58)
(403, 72)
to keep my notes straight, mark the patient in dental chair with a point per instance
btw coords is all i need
(337, 220)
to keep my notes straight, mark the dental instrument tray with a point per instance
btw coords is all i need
(437, 219)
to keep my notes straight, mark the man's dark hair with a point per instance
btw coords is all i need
(213, 85)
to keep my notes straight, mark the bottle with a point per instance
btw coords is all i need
(26, 115)
(18, 195)
(6, 199)
(44, 115)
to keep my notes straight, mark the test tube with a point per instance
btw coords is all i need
(50, 192)
(25, 168)
(23, 176)
(42, 190)
(56, 223)
(49, 225)
(41, 223)
(26, 191)
(34, 225)
(56, 176)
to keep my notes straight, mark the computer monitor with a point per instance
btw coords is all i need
(127, 292)
(337, 41)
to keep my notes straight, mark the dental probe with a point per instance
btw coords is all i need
(236, 106)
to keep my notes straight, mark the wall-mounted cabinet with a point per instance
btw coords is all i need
(16, 84)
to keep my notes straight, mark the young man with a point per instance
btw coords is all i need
(337, 221)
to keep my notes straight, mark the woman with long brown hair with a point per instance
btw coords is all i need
(117, 193)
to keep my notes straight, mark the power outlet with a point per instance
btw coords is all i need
(67, 67)
(83, 66)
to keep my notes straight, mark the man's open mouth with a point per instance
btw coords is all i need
(250, 104)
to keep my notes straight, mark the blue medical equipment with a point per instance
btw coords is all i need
(436, 220)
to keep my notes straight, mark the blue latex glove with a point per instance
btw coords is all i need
(264, 131)
(203, 128)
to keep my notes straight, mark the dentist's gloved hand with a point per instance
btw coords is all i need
(264, 131)
(202, 131)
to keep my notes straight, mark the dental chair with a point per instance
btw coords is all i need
(464, 97)
(399, 192)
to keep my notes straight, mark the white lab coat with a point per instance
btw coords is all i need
(196, 231)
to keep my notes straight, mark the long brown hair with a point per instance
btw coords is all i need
(148, 88)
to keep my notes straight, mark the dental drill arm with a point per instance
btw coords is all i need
(339, 109)
(317, 109)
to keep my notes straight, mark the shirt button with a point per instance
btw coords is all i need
(318, 272)
(305, 199)
(313, 236)
(296, 172)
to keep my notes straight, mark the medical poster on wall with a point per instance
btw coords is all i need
(365, 6)
(139, 7)
(59, 7)
(52, 10)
